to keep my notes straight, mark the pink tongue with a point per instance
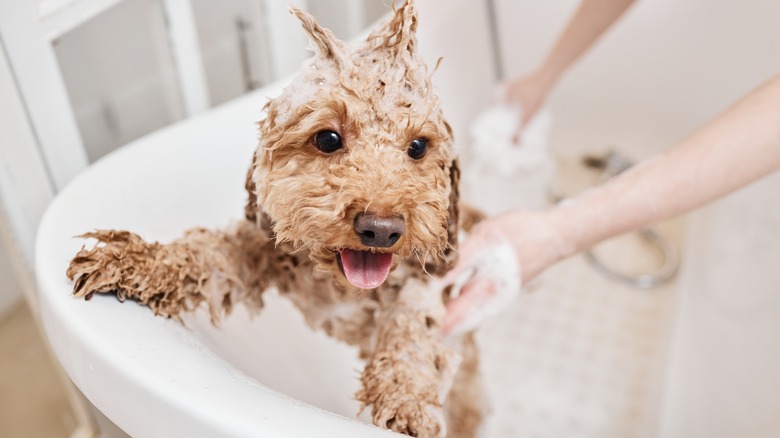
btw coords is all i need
(365, 269)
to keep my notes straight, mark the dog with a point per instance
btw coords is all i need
(352, 208)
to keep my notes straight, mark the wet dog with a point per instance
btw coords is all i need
(353, 205)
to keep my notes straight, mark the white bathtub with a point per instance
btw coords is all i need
(263, 377)
(580, 357)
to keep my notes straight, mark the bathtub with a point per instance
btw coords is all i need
(265, 376)
(581, 356)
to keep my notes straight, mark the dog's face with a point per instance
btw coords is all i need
(354, 163)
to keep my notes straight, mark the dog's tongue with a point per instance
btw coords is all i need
(365, 269)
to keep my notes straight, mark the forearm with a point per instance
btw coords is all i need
(737, 148)
(590, 21)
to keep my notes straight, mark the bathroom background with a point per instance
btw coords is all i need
(663, 71)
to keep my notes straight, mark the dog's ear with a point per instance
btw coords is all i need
(445, 263)
(453, 218)
(453, 224)
(324, 43)
(250, 210)
(399, 34)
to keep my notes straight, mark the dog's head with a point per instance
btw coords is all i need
(355, 162)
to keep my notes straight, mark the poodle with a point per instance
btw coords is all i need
(353, 208)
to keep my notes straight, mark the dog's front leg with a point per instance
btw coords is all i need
(410, 371)
(216, 267)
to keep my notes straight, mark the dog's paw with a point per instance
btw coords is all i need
(105, 267)
(411, 417)
(158, 276)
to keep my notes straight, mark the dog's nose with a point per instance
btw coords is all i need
(379, 231)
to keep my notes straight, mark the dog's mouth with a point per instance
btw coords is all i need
(365, 269)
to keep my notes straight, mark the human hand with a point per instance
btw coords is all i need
(498, 255)
(485, 279)
(527, 92)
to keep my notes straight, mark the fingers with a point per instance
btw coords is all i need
(517, 135)
(463, 313)
(489, 270)
(452, 275)
(468, 250)
(500, 94)
(482, 237)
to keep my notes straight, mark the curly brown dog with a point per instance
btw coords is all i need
(353, 203)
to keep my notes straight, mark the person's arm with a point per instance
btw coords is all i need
(735, 149)
(590, 21)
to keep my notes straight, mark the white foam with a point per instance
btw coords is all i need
(315, 74)
(498, 263)
(492, 135)
(500, 174)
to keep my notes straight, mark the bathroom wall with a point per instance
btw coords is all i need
(459, 36)
(662, 71)
(120, 76)
(723, 376)
(20, 175)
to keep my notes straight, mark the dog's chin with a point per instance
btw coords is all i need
(364, 269)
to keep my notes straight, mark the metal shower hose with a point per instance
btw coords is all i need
(612, 165)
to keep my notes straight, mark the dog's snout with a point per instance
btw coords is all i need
(379, 231)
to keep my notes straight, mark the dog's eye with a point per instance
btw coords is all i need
(418, 148)
(328, 141)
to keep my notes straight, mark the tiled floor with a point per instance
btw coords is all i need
(32, 400)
